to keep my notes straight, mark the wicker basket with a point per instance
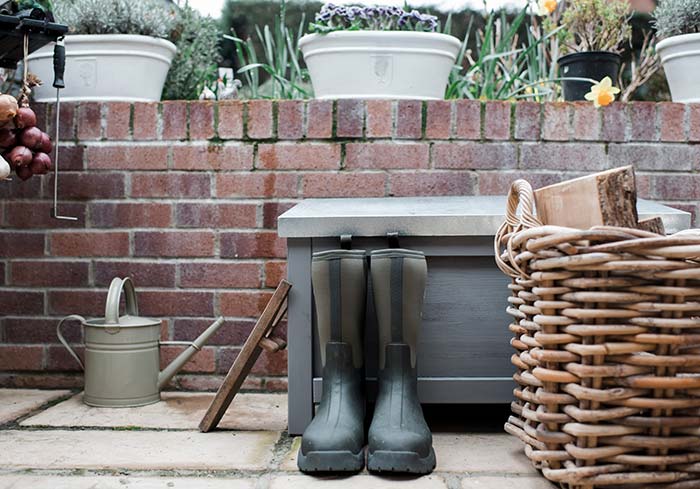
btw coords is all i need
(606, 333)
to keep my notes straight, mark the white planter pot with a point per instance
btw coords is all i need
(106, 67)
(379, 64)
(680, 57)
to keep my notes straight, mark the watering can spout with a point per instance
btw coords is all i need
(180, 361)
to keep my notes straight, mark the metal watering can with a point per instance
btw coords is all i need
(122, 354)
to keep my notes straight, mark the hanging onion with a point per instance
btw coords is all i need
(20, 156)
(23, 172)
(41, 164)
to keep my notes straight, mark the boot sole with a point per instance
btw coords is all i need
(331, 461)
(404, 462)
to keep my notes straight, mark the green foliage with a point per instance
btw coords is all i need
(145, 17)
(195, 65)
(333, 17)
(281, 60)
(676, 17)
(596, 25)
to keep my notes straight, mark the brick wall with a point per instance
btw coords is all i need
(184, 198)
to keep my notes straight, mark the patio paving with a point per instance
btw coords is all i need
(70, 445)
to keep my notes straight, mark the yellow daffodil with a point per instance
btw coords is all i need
(546, 7)
(602, 93)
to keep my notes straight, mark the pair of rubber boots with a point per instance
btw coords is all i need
(399, 439)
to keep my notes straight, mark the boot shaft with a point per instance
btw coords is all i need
(398, 283)
(339, 281)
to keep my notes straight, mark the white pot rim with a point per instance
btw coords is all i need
(384, 35)
(110, 38)
(677, 40)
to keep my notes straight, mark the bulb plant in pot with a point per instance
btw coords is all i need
(678, 23)
(378, 52)
(115, 50)
(594, 34)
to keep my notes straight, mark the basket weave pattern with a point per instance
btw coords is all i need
(606, 332)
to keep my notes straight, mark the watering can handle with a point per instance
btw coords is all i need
(113, 296)
(63, 340)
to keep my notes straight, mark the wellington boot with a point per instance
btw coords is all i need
(334, 440)
(399, 437)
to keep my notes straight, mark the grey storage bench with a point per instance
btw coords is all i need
(463, 352)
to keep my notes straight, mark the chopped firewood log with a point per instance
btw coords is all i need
(608, 198)
(653, 225)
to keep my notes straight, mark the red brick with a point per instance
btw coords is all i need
(174, 114)
(275, 272)
(319, 119)
(88, 186)
(71, 157)
(43, 380)
(127, 157)
(3, 267)
(386, 155)
(145, 121)
(499, 182)
(26, 190)
(468, 119)
(230, 119)
(272, 210)
(13, 358)
(409, 119)
(21, 302)
(201, 120)
(343, 184)
(231, 333)
(694, 122)
(556, 122)
(643, 183)
(219, 215)
(675, 186)
(276, 384)
(260, 123)
(672, 122)
(274, 364)
(83, 244)
(528, 120)
(37, 215)
(614, 122)
(220, 275)
(243, 303)
(260, 244)
(380, 118)
(438, 119)
(43, 117)
(144, 274)
(174, 243)
(67, 121)
(587, 121)
(168, 303)
(28, 330)
(59, 359)
(563, 156)
(350, 118)
(89, 121)
(20, 245)
(642, 119)
(290, 119)
(497, 120)
(256, 184)
(130, 215)
(649, 156)
(213, 157)
(408, 184)
(118, 120)
(292, 156)
(473, 155)
(49, 273)
(182, 185)
(202, 361)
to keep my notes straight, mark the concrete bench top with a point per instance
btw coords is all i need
(422, 216)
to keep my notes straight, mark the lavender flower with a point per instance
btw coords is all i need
(333, 17)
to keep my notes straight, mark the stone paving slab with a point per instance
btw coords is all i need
(136, 450)
(15, 403)
(462, 452)
(507, 483)
(177, 410)
(363, 481)
(109, 482)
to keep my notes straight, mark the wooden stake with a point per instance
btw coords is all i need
(261, 337)
(608, 198)
(653, 225)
